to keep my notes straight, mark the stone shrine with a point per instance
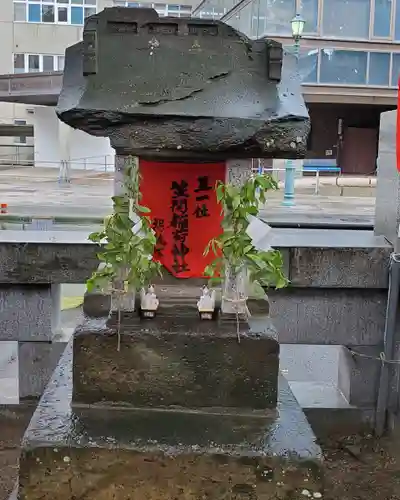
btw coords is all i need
(181, 409)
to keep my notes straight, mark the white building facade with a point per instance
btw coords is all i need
(33, 37)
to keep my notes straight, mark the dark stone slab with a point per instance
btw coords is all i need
(176, 361)
(25, 312)
(340, 267)
(107, 453)
(46, 257)
(37, 362)
(96, 304)
(349, 317)
(182, 88)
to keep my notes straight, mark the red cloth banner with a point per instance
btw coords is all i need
(398, 127)
(184, 212)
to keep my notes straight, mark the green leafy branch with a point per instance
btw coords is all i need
(126, 254)
(234, 246)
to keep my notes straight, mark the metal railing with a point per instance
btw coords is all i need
(17, 155)
(99, 163)
(341, 181)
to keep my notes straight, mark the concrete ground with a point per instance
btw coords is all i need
(36, 191)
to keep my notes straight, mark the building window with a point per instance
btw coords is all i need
(397, 22)
(54, 11)
(211, 12)
(308, 65)
(346, 18)
(20, 139)
(34, 63)
(163, 9)
(382, 18)
(379, 68)
(343, 67)
(309, 11)
(395, 69)
(275, 17)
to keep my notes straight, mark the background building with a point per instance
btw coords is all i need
(33, 37)
(349, 61)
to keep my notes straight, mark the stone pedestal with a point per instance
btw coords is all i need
(181, 411)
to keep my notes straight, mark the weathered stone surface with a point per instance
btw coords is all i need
(359, 376)
(340, 267)
(329, 316)
(176, 361)
(37, 362)
(189, 88)
(329, 258)
(104, 454)
(25, 312)
(96, 304)
(46, 257)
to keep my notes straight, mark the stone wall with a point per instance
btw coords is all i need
(32, 267)
(337, 296)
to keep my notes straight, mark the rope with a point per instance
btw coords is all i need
(236, 303)
(381, 357)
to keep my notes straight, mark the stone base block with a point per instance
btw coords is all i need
(349, 317)
(176, 362)
(96, 304)
(37, 362)
(359, 376)
(101, 453)
(25, 312)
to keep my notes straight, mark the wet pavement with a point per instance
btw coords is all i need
(37, 192)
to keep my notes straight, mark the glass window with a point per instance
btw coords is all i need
(379, 67)
(48, 63)
(309, 11)
(275, 16)
(308, 65)
(19, 12)
(48, 13)
(382, 17)
(19, 63)
(62, 14)
(20, 139)
(397, 22)
(33, 63)
(34, 13)
(60, 63)
(54, 11)
(76, 15)
(89, 11)
(395, 69)
(346, 18)
(343, 67)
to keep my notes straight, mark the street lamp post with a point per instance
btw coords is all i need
(290, 169)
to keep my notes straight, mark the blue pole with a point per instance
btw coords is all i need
(290, 173)
(290, 169)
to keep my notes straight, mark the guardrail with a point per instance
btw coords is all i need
(341, 181)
